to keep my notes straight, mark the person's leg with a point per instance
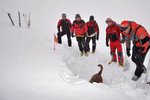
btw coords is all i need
(113, 51)
(93, 44)
(59, 37)
(84, 45)
(69, 38)
(79, 40)
(134, 54)
(120, 53)
(138, 58)
(87, 42)
(140, 68)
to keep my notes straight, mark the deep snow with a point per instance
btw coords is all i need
(31, 70)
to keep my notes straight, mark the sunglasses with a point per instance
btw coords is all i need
(64, 16)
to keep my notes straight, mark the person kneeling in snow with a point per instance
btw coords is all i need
(64, 24)
(141, 44)
(113, 34)
(93, 33)
(80, 29)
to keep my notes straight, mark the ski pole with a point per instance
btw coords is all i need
(10, 19)
(29, 23)
(19, 19)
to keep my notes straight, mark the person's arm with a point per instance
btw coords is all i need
(58, 25)
(107, 38)
(69, 22)
(72, 29)
(97, 28)
(128, 44)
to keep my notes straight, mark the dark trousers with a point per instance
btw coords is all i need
(138, 58)
(82, 44)
(60, 34)
(88, 39)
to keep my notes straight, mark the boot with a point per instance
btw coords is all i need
(93, 51)
(69, 43)
(135, 78)
(121, 64)
(81, 54)
(86, 54)
(145, 70)
(112, 61)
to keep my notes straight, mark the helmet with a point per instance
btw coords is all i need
(77, 16)
(64, 15)
(91, 18)
(125, 23)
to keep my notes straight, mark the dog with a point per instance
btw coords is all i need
(97, 77)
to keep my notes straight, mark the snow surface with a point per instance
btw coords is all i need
(30, 69)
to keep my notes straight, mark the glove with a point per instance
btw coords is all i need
(122, 41)
(107, 44)
(128, 52)
(97, 37)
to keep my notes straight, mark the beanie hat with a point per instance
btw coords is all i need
(91, 18)
(77, 16)
(109, 20)
(64, 15)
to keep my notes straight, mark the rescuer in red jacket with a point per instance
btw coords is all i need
(141, 44)
(63, 27)
(93, 33)
(113, 35)
(79, 28)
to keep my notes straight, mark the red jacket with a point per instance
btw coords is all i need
(92, 27)
(113, 33)
(64, 25)
(79, 28)
(138, 35)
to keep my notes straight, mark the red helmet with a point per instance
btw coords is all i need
(125, 23)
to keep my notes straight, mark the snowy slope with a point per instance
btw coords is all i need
(31, 70)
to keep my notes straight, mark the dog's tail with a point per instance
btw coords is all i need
(100, 72)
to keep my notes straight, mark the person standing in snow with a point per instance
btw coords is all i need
(113, 34)
(63, 27)
(79, 28)
(93, 33)
(141, 44)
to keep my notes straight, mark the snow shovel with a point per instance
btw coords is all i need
(126, 61)
(147, 74)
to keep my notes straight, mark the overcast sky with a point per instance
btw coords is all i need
(137, 10)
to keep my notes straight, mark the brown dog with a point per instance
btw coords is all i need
(97, 77)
